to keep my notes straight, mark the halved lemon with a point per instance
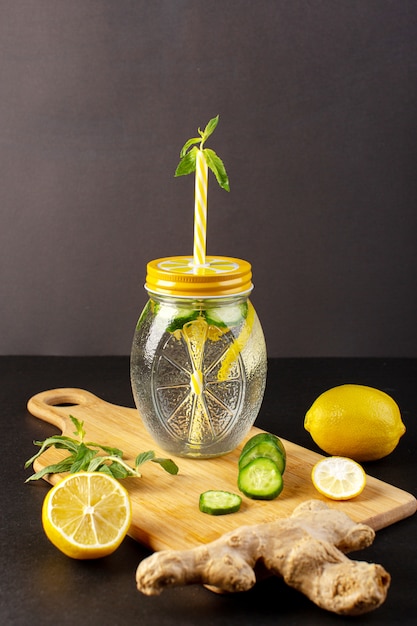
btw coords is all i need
(87, 515)
(338, 478)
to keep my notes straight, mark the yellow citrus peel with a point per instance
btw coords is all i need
(356, 421)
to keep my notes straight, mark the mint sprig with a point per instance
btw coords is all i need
(188, 156)
(89, 457)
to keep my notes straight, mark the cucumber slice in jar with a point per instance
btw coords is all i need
(266, 449)
(260, 479)
(180, 317)
(216, 502)
(227, 316)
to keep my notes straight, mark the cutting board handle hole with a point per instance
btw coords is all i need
(62, 404)
(64, 398)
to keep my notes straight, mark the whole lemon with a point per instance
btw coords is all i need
(355, 421)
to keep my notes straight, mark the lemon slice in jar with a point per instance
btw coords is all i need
(238, 344)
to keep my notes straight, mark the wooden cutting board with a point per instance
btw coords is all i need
(165, 507)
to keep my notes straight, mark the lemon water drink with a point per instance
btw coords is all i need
(198, 360)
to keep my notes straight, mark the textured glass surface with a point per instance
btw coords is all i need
(198, 374)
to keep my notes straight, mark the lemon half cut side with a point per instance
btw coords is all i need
(86, 515)
(338, 478)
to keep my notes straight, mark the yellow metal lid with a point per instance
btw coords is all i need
(219, 276)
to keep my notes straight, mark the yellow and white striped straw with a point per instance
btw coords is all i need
(200, 210)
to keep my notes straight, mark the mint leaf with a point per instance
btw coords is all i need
(95, 464)
(120, 471)
(188, 145)
(116, 467)
(82, 458)
(143, 457)
(107, 449)
(80, 432)
(217, 167)
(87, 457)
(106, 469)
(168, 465)
(188, 155)
(187, 164)
(56, 468)
(209, 129)
(59, 441)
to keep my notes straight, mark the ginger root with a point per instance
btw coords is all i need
(306, 550)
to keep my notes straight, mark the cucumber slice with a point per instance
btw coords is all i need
(260, 479)
(181, 317)
(253, 441)
(265, 448)
(227, 316)
(216, 502)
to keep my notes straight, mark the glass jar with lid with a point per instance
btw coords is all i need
(198, 361)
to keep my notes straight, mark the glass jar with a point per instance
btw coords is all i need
(198, 360)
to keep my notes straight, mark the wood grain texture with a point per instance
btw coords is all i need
(165, 507)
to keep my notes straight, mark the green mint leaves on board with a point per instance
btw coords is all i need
(89, 457)
(188, 156)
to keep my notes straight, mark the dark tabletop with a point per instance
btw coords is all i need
(41, 586)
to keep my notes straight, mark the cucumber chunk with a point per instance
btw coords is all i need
(260, 479)
(216, 502)
(265, 448)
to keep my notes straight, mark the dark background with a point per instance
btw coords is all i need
(318, 132)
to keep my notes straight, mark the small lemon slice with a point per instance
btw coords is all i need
(338, 478)
(87, 515)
